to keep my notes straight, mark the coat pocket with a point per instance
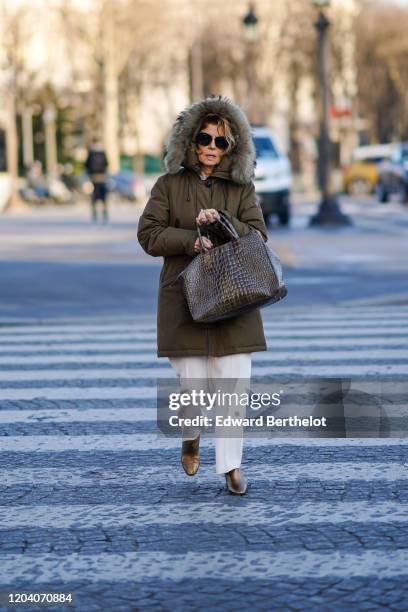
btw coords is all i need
(171, 270)
(170, 281)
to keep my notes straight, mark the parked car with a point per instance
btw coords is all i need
(273, 177)
(360, 177)
(393, 174)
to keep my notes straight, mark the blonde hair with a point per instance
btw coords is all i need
(222, 122)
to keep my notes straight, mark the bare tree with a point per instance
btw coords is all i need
(382, 60)
(15, 25)
(118, 42)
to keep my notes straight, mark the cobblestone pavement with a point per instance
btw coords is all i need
(93, 501)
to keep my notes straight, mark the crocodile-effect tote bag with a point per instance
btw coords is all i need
(234, 278)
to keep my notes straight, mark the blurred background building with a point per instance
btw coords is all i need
(123, 69)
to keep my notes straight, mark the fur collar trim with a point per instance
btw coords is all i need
(179, 140)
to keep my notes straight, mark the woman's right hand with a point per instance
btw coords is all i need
(207, 243)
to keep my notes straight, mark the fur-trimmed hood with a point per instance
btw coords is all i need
(238, 165)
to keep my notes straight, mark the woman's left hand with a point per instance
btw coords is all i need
(207, 215)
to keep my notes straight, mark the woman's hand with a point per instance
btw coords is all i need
(207, 215)
(207, 243)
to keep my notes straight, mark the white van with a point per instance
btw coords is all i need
(273, 177)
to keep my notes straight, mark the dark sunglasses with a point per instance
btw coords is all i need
(205, 139)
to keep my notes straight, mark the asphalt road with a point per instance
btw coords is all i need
(94, 503)
(56, 263)
(51, 290)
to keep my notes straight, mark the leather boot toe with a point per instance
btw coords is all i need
(190, 456)
(236, 482)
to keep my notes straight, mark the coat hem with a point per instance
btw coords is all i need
(198, 353)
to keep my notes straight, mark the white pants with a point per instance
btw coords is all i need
(228, 450)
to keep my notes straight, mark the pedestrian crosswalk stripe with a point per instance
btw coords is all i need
(78, 347)
(91, 415)
(290, 323)
(277, 331)
(289, 368)
(312, 315)
(137, 413)
(141, 567)
(82, 516)
(273, 343)
(290, 472)
(281, 310)
(44, 359)
(77, 393)
(348, 322)
(55, 391)
(157, 441)
(88, 374)
(130, 373)
(272, 357)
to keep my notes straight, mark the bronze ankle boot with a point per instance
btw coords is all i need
(236, 482)
(190, 456)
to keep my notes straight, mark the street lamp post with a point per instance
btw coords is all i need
(329, 212)
(196, 68)
(250, 23)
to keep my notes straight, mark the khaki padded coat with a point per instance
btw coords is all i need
(167, 229)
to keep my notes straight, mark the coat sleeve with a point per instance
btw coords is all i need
(155, 235)
(249, 214)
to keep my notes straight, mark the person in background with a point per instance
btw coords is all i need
(96, 166)
(36, 180)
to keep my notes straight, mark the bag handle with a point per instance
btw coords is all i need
(203, 248)
(226, 225)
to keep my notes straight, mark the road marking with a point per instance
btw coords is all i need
(139, 413)
(90, 415)
(150, 357)
(352, 315)
(291, 368)
(331, 330)
(141, 567)
(274, 374)
(110, 347)
(78, 393)
(157, 441)
(88, 516)
(289, 472)
(75, 347)
(276, 331)
(33, 332)
(286, 311)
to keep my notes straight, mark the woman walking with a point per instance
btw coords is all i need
(210, 161)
